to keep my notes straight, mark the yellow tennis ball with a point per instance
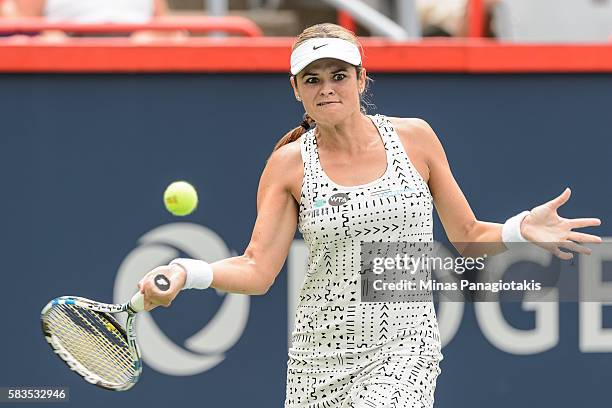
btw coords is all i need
(180, 198)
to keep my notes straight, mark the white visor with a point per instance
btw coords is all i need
(317, 48)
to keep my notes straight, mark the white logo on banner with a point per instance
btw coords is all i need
(206, 348)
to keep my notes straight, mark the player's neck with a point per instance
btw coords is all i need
(354, 135)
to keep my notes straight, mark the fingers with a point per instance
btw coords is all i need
(566, 256)
(572, 246)
(561, 199)
(583, 238)
(584, 222)
(555, 250)
(153, 295)
(149, 306)
(147, 276)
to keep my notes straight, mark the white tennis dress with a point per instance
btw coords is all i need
(346, 352)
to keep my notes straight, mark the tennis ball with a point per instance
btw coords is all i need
(180, 198)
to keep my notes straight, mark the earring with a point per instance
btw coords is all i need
(297, 98)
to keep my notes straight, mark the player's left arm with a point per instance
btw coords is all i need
(542, 226)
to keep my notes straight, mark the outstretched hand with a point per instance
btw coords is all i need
(544, 227)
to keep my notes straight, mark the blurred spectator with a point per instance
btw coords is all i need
(449, 18)
(94, 11)
(99, 11)
(8, 8)
(443, 18)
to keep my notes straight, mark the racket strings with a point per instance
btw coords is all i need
(86, 346)
(93, 345)
(95, 326)
(91, 339)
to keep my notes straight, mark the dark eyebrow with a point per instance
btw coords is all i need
(315, 74)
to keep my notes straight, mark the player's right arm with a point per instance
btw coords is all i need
(254, 271)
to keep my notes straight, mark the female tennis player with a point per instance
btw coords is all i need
(343, 178)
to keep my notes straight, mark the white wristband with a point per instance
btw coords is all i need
(511, 231)
(199, 273)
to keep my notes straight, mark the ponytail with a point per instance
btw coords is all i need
(295, 133)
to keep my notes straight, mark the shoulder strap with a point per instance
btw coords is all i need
(309, 157)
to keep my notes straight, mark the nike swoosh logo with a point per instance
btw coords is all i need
(314, 47)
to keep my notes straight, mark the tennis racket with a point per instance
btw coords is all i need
(84, 334)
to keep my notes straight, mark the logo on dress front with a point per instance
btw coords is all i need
(338, 199)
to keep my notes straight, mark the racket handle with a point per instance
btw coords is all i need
(137, 302)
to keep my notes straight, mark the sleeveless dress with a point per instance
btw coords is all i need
(345, 352)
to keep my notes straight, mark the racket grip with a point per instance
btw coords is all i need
(137, 302)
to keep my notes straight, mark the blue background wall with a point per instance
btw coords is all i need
(85, 159)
